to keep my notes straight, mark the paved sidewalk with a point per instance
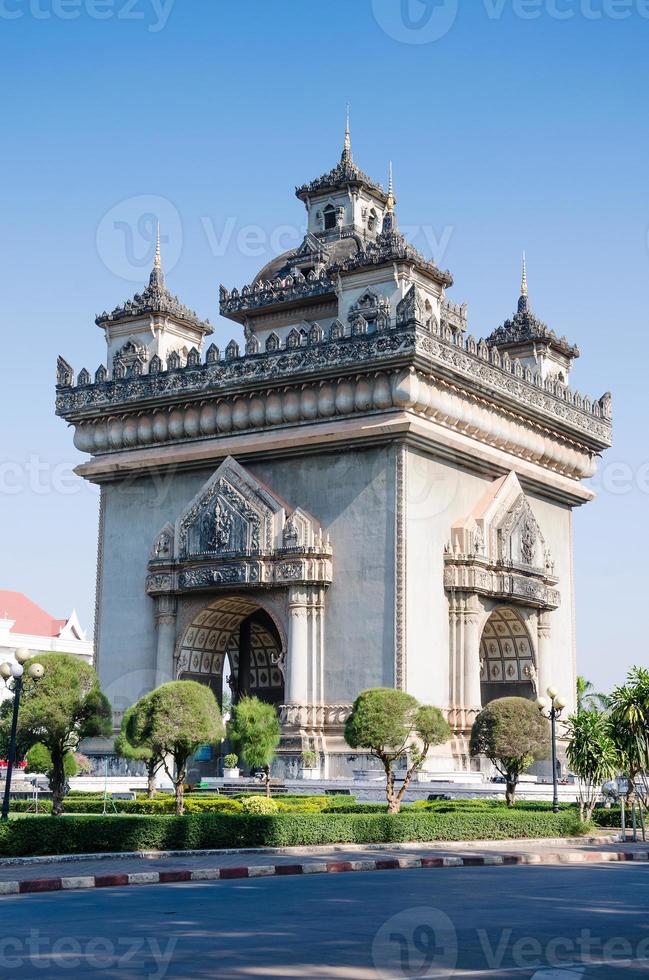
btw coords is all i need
(25, 875)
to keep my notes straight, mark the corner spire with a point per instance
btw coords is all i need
(390, 201)
(347, 146)
(157, 279)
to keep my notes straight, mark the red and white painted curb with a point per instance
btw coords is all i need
(73, 883)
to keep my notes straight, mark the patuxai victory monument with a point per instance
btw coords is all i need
(363, 496)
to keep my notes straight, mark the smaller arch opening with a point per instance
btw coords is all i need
(507, 665)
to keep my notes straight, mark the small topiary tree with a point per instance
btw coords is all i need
(141, 753)
(256, 732)
(512, 733)
(172, 722)
(392, 725)
(58, 710)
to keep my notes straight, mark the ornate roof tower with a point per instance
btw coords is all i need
(526, 337)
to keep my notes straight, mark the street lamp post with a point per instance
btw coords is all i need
(15, 671)
(556, 707)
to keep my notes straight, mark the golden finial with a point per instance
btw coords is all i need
(390, 201)
(156, 262)
(524, 279)
(347, 148)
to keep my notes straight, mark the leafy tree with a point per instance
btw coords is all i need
(588, 699)
(141, 753)
(511, 733)
(256, 732)
(392, 725)
(629, 713)
(172, 722)
(592, 755)
(58, 710)
(39, 760)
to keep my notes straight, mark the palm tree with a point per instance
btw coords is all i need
(629, 708)
(593, 756)
(588, 699)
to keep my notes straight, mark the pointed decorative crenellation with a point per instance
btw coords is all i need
(295, 286)
(311, 334)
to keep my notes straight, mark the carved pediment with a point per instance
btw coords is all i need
(499, 547)
(519, 537)
(232, 513)
(238, 532)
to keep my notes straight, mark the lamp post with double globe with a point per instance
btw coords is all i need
(557, 705)
(14, 672)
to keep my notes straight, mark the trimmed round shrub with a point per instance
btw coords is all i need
(260, 806)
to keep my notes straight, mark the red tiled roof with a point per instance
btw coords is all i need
(29, 618)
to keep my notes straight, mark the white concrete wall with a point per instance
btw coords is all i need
(439, 493)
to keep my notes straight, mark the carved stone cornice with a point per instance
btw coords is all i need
(279, 570)
(458, 384)
(315, 717)
(500, 580)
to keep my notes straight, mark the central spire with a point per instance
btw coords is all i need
(524, 278)
(156, 261)
(347, 145)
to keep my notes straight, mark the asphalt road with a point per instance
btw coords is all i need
(546, 923)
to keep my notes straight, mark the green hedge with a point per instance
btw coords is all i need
(86, 833)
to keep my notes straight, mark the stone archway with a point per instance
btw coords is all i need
(507, 662)
(234, 635)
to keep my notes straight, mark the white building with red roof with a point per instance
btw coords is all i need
(24, 624)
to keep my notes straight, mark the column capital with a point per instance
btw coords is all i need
(165, 609)
(544, 626)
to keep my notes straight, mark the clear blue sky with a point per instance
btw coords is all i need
(511, 125)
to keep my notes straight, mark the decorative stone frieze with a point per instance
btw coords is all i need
(315, 717)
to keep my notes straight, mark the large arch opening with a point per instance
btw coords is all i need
(507, 667)
(233, 644)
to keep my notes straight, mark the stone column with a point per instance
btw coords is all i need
(298, 647)
(165, 617)
(472, 693)
(543, 665)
